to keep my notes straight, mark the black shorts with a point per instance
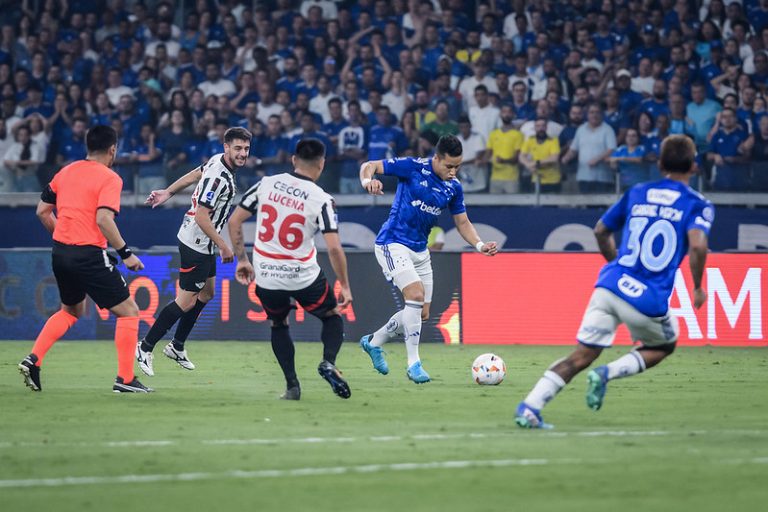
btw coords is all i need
(195, 268)
(82, 270)
(317, 299)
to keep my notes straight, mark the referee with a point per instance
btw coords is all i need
(86, 197)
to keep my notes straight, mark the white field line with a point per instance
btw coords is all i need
(275, 473)
(373, 439)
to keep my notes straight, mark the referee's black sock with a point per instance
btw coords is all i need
(186, 323)
(332, 336)
(282, 346)
(165, 320)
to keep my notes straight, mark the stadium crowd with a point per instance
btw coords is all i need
(563, 95)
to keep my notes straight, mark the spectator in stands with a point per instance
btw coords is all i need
(543, 111)
(172, 141)
(214, 84)
(484, 116)
(147, 158)
(469, 84)
(73, 147)
(628, 160)
(474, 170)
(593, 144)
(319, 103)
(731, 171)
(540, 155)
(503, 146)
(116, 89)
(22, 159)
(703, 112)
(756, 149)
(679, 122)
(352, 151)
(385, 141)
(337, 122)
(272, 147)
(6, 175)
(442, 125)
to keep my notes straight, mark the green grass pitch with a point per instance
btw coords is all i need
(690, 435)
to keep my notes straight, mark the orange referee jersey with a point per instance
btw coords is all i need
(81, 188)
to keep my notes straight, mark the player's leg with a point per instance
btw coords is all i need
(658, 335)
(277, 305)
(597, 331)
(318, 299)
(175, 349)
(194, 270)
(416, 295)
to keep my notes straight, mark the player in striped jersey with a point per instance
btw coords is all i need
(198, 237)
(290, 208)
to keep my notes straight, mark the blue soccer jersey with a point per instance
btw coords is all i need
(421, 196)
(655, 219)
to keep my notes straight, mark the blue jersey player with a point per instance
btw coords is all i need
(426, 187)
(660, 222)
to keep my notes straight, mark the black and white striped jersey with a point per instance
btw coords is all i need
(215, 190)
(289, 209)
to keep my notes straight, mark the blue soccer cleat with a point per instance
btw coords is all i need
(597, 383)
(376, 354)
(417, 374)
(528, 417)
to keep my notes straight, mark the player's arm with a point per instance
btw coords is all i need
(339, 264)
(244, 272)
(46, 216)
(605, 241)
(697, 259)
(203, 219)
(105, 219)
(367, 172)
(469, 233)
(158, 197)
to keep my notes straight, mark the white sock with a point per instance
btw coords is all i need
(389, 331)
(545, 390)
(626, 366)
(412, 327)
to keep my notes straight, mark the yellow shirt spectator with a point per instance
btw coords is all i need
(504, 145)
(550, 173)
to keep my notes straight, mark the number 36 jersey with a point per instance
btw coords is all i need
(655, 219)
(289, 210)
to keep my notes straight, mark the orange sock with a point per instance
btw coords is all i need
(126, 337)
(56, 326)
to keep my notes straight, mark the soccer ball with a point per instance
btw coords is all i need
(489, 370)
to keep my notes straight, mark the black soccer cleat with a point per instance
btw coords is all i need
(292, 393)
(131, 387)
(330, 373)
(31, 372)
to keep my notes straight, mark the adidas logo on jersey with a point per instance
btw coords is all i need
(424, 183)
(434, 210)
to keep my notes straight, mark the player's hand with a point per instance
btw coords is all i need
(345, 297)
(374, 187)
(157, 197)
(227, 256)
(133, 263)
(699, 297)
(490, 248)
(245, 273)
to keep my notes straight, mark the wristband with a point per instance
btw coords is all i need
(479, 246)
(125, 253)
(365, 181)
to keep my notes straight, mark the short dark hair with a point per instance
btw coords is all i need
(236, 133)
(100, 138)
(310, 149)
(678, 153)
(448, 145)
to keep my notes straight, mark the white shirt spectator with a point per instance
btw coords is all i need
(264, 111)
(396, 103)
(330, 11)
(467, 89)
(319, 105)
(115, 93)
(365, 107)
(528, 129)
(474, 177)
(172, 47)
(221, 87)
(484, 119)
(643, 85)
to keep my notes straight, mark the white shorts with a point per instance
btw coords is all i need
(606, 311)
(404, 266)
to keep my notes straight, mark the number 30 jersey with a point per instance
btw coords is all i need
(655, 219)
(289, 210)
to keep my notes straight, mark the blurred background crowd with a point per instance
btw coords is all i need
(546, 95)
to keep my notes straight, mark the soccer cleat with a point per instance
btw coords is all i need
(376, 354)
(293, 393)
(31, 372)
(597, 382)
(417, 374)
(145, 360)
(330, 373)
(528, 417)
(180, 356)
(131, 387)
